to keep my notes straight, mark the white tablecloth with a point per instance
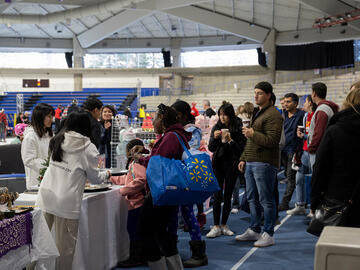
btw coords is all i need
(43, 248)
(102, 237)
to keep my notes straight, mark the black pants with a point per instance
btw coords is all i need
(228, 175)
(290, 174)
(157, 228)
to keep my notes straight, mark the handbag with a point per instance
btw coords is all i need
(331, 212)
(181, 182)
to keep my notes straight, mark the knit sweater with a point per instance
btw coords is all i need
(263, 146)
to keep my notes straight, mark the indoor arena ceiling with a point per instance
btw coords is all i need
(147, 25)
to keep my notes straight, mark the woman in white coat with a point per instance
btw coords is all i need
(35, 146)
(74, 160)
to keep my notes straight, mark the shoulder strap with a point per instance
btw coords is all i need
(183, 145)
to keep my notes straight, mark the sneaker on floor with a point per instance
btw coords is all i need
(248, 235)
(214, 232)
(297, 211)
(234, 211)
(283, 207)
(265, 240)
(225, 230)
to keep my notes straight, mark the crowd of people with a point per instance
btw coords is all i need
(248, 146)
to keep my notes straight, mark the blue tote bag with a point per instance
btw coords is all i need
(177, 182)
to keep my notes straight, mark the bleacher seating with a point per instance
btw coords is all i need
(113, 96)
(338, 87)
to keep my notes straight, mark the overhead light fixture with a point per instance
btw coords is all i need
(343, 31)
(348, 15)
(327, 20)
(296, 36)
(173, 27)
(252, 24)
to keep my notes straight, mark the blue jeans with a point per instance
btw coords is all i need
(260, 182)
(300, 178)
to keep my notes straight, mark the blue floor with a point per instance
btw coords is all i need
(293, 249)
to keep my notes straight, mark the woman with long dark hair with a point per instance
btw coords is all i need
(73, 161)
(35, 146)
(107, 113)
(227, 143)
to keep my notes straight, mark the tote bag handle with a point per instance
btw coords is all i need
(183, 145)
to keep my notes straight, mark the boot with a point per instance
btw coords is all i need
(174, 262)
(135, 258)
(201, 218)
(198, 257)
(158, 265)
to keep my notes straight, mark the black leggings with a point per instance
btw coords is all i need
(157, 228)
(226, 175)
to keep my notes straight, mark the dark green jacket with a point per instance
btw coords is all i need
(264, 145)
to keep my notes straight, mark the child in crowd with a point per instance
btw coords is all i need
(73, 161)
(134, 192)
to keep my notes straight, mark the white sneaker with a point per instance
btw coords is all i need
(214, 232)
(297, 211)
(234, 211)
(265, 240)
(248, 235)
(225, 230)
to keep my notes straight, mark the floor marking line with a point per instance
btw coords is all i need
(251, 251)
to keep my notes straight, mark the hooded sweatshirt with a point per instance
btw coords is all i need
(168, 145)
(62, 187)
(34, 152)
(319, 122)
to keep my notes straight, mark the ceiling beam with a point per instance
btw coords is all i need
(4, 7)
(331, 8)
(127, 44)
(221, 22)
(314, 35)
(110, 26)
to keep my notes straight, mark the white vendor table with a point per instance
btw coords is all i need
(43, 248)
(102, 238)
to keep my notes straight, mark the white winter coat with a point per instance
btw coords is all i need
(62, 187)
(34, 152)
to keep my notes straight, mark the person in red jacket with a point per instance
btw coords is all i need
(194, 111)
(319, 122)
(57, 117)
(3, 125)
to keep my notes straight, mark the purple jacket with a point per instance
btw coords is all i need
(168, 145)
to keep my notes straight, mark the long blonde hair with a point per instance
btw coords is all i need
(352, 100)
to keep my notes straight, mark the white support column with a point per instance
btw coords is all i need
(175, 50)
(78, 53)
(270, 50)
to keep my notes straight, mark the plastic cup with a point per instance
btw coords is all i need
(246, 123)
(301, 129)
(224, 131)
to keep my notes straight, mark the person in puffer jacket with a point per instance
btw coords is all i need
(134, 192)
(73, 161)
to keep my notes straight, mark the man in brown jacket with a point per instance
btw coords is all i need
(261, 156)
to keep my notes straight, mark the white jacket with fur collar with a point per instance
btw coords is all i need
(62, 187)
